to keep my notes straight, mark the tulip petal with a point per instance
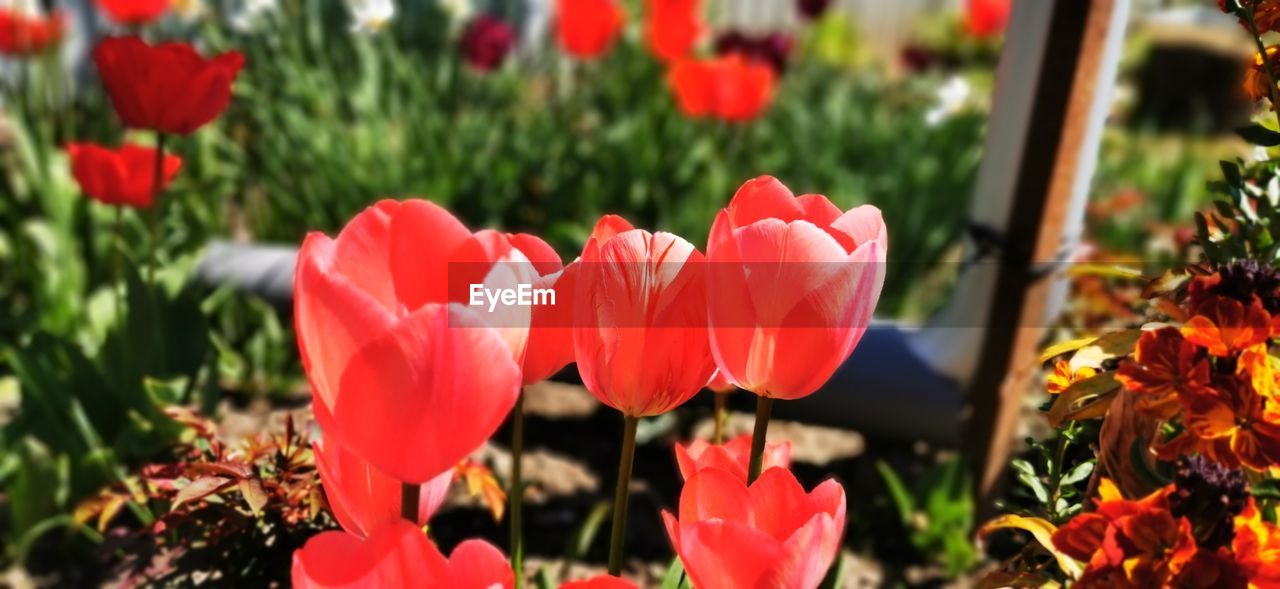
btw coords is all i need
(764, 198)
(864, 224)
(362, 498)
(713, 493)
(422, 396)
(476, 564)
(719, 554)
(423, 237)
(332, 316)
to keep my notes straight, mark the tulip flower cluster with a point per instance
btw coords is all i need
(166, 89)
(737, 85)
(23, 35)
(409, 376)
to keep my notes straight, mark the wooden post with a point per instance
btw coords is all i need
(1051, 164)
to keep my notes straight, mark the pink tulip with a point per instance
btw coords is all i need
(771, 535)
(796, 281)
(362, 498)
(731, 457)
(719, 384)
(640, 337)
(397, 555)
(405, 373)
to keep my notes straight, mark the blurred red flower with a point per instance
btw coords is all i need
(395, 357)
(732, 457)
(771, 534)
(397, 556)
(587, 28)
(134, 12)
(987, 18)
(169, 87)
(486, 42)
(673, 27)
(797, 280)
(362, 498)
(601, 582)
(640, 336)
(22, 35)
(729, 88)
(123, 176)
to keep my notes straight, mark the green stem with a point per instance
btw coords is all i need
(117, 265)
(722, 414)
(409, 494)
(157, 183)
(764, 406)
(622, 494)
(515, 491)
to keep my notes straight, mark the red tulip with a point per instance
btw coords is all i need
(362, 498)
(587, 28)
(771, 535)
(134, 12)
(601, 582)
(397, 556)
(404, 372)
(22, 35)
(124, 176)
(987, 18)
(796, 284)
(550, 345)
(673, 27)
(732, 456)
(719, 384)
(167, 88)
(729, 88)
(640, 338)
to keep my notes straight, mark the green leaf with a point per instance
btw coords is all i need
(674, 578)
(1078, 474)
(1027, 474)
(902, 498)
(1266, 489)
(544, 580)
(1259, 135)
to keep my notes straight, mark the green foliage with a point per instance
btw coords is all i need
(1055, 473)
(937, 512)
(86, 417)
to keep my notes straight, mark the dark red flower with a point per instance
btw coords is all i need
(124, 176)
(134, 12)
(813, 9)
(486, 42)
(169, 87)
(22, 35)
(771, 48)
(673, 27)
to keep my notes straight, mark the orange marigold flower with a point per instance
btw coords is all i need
(1225, 326)
(1128, 543)
(1232, 411)
(1063, 377)
(1257, 548)
(1164, 365)
(1256, 80)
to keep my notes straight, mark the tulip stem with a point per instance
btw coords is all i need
(722, 414)
(409, 494)
(764, 406)
(516, 491)
(154, 218)
(622, 494)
